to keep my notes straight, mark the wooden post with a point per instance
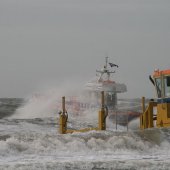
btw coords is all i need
(143, 104)
(63, 118)
(63, 104)
(101, 115)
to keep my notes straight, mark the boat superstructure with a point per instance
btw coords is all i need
(103, 82)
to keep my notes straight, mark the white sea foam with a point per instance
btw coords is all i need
(134, 124)
(32, 141)
(45, 103)
(36, 144)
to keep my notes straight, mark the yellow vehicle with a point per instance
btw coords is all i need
(159, 110)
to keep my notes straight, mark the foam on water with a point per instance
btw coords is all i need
(34, 143)
(43, 104)
(134, 124)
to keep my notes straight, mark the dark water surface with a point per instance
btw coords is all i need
(9, 105)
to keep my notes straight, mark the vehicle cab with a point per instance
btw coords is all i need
(162, 85)
(158, 112)
(161, 81)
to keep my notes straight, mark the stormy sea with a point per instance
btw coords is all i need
(29, 139)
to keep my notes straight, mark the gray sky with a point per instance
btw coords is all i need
(46, 43)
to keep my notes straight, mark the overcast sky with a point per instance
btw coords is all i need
(46, 43)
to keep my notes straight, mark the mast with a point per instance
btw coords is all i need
(105, 70)
(106, 62)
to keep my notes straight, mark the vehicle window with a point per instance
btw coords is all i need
(158, 87)
(167, 86)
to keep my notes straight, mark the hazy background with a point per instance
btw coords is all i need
(50, 43)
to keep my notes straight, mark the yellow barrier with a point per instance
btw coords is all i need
(146, 119)
(103, 113)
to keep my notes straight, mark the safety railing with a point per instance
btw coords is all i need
(63, 118)
(147, 117)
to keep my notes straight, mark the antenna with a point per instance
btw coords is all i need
(106, 62)
(105, 70)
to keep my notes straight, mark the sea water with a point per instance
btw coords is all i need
(33, 142)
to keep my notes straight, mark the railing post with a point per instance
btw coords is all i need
(150, 116)
(143, 104)
(102, 114)
(146, 119)
(63, 118)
